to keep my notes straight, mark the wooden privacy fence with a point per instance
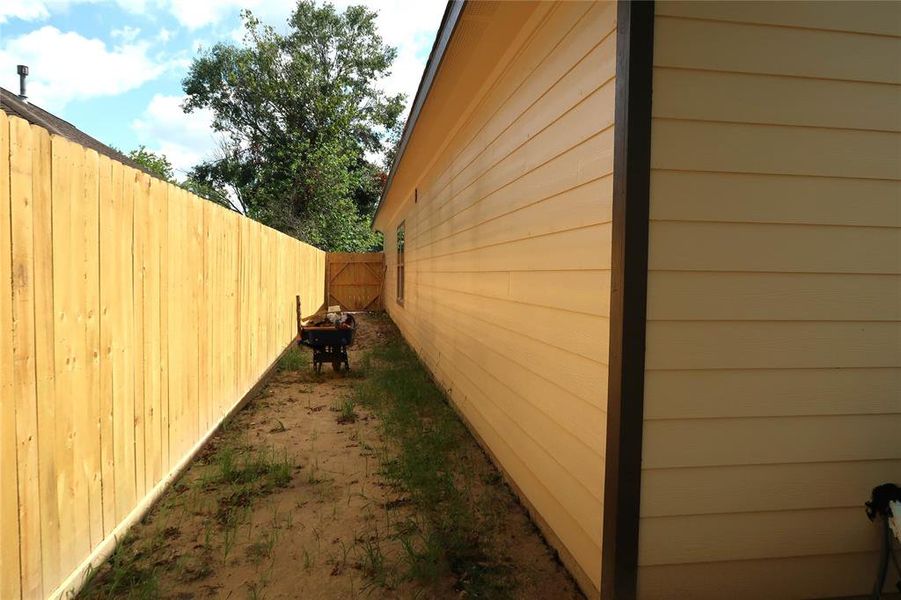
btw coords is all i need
(355, 279)
(133, 317)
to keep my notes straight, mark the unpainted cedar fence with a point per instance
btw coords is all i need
(355, 280)
(133, 317)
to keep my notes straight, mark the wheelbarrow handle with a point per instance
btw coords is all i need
(299, 319)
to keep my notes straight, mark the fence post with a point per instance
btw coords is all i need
(299, 318)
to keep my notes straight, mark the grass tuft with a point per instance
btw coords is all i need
(372, 559)
(263, 467)
(238, 476)
(294, 359)
(124, 577)
(347, 412)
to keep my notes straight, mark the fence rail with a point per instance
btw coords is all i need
(133, 316)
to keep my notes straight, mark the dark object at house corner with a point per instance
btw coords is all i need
(879, 507)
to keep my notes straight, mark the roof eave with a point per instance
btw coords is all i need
(448, 23)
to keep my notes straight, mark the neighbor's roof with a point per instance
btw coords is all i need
(12, 105)
(445, 30)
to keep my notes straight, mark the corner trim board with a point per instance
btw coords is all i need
(628, 298)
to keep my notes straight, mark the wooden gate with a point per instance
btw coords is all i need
(355, 280)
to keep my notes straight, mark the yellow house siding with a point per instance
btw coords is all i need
(773, 362)
(507, 254)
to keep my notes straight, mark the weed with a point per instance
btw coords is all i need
(124, 577)
(372, 560)
(254, 590)
(308, 561)
(282, 522)
(196, 568)
(348, 414)
(313, 477)
(262, 468)
(345, 550)
(294, 359)
(228, 542)
(423, 556)
(262, 548)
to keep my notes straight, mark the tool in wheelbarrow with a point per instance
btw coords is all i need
(329, 338)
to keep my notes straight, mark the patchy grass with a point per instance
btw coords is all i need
(294, 359)
(347, 412)
(429, 458)
(127, 578)
(338, 486)
(235, 477)
(264, 469)
(372, 559)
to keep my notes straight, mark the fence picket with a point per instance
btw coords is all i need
(133, 317)
(44, 356)
(24, 384)
(10, 581)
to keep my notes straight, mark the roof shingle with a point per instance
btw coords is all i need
(12, 105)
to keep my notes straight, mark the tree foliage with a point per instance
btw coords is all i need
(301, 116)
(157, 164)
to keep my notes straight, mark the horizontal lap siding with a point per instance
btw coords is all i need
(773, 383)
(507, 258)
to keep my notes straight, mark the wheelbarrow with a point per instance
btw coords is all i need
(329, 342)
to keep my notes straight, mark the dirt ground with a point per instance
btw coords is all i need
(289, 501)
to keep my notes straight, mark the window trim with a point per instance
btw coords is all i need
(400, 267)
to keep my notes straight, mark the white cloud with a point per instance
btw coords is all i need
(237, 35)
(38, 10)
(164, 35)
(195, 14)
(126, 34)
(185, 139)
(190, 13)
(27, 10)
(198, 13)
(132, 6)
(66, 66)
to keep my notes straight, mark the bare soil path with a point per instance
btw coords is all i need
(316, 490)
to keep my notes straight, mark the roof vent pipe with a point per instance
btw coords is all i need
(22, 70)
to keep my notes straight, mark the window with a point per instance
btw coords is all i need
(400, 263)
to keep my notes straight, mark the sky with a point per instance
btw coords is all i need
(113, 68)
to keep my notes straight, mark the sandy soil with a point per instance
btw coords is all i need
(308, 539)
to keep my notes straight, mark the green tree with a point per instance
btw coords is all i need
(157, 164)
(301, 114)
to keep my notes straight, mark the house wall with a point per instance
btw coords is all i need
(773, 388)
(508, 260)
